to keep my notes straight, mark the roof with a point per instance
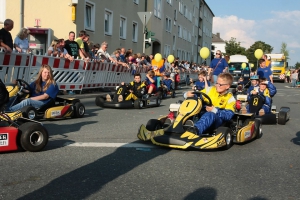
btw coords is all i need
(216, 38)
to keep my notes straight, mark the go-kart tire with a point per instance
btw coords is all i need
(34, 137)
(258, 128)
(173, 94)
(158, 101)
(79, 110)
(99, 101)
(227, 136)
(138, 104)
(29, 112)
(160, 95)
(153, 125)
(282, 117)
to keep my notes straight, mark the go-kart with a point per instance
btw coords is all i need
(255, 104)
(17, 132)
(58, 108)
(151, 101)
(180, 133)
(165, 92)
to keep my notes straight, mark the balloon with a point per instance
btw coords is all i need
(171, 58)
(157, 57)
(244, 65)
(258, 53)
(204, 52)
(228, 61)
(251, 65)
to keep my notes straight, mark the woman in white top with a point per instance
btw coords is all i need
(21, 41)
(54, 49)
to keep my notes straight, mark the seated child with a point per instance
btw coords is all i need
(202, 82)
(151, 81)
(263, 92)
(253, 89)
(167, 82)
(240, 86)
(223, 107)
(132, 91)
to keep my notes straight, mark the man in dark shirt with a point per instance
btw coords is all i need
(5, 36)
(72, 46)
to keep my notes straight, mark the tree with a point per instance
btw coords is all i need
(284, 50)
(297, 65)
(233, 47)
(266, 48)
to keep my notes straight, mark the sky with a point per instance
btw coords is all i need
(270, 21)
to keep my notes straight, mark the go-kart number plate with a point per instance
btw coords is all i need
(55, 113)
(247, 134)
(3, 139)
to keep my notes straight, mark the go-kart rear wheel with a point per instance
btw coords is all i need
(34, 137)
(79, 110)
(29, 112)
(153, 125)
(99, 101)
(282, 117)
(227, 136)
(158, 101)
(258, 128)
(138, 104)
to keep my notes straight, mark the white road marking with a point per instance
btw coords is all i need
(112, 145)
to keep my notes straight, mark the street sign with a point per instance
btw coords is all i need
(142, 16)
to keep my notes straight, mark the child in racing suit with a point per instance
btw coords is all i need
(253, 89)
(223, 104)
(134, 90)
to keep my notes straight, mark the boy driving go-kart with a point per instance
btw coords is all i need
(223, 104)
(41, 91)
(167, 86)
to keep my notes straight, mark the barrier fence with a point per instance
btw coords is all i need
(76, 75)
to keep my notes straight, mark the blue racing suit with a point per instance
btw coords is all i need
(223, 111)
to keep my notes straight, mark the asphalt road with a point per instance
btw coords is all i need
(96, 157)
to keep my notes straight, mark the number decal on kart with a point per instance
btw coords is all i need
(3, 139)
(187, 105)
(119, 91)
(255, 101)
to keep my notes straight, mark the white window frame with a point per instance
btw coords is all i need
(110, 23)
(174, 42)
(136, 31)
(124, 19)
(167, 50)
(168, 24)
(136, 2)
(92, 17)
(157, 8)
(179, 31)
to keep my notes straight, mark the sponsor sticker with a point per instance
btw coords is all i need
(247, 134)
(3, 139)
(55, 113)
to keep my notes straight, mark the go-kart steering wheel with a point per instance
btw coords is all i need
(27, 88)
(207, 101)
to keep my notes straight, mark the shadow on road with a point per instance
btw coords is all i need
(204, 193)
(296, 140)
(89, 179)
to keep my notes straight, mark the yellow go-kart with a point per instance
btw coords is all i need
(58, 108)
(180, 133)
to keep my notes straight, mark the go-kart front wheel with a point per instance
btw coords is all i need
(258, 128)
(29, 112)
(227, 136)
(138, 104)
(33, 136)
(79, 110)
(153, 125)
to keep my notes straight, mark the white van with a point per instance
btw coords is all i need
(235, 68)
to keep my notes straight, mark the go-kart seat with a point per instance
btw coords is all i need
(255, 103)
(47, 105)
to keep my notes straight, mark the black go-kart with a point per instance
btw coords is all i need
(165, 92)
(180, 133)
(114, 102)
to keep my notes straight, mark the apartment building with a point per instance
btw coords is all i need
(181, 27)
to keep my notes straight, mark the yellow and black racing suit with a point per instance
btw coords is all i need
(138, 90)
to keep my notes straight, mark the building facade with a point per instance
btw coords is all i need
(218, 43)
(181, 27)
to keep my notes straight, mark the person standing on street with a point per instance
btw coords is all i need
(6, 40)
(217, 66)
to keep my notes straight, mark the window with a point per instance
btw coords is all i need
(179, 31)
(169, 2)
(179, 54)
(174, 42)
(180, 7)
(134, 31)
(108, 21)
(168, 24)
(123, 25)
(89, 22)
(136, 1)
(167, 50)
(157, 8)
(175, 15)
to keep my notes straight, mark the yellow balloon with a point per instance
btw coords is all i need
(228, 61)
(157, 57)
(244, 65)
(171, 58)
(258, 53)
(251, 65)
(204, 52)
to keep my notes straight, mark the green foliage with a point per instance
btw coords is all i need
(233, 47)
(284, 50)
(266, 48)
(297, 65)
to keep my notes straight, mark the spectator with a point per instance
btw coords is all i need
(116, 56)
(103, 55)
(21, 43)
(64, 52)
(79, 40)
(287, 76)
(86, 45)
(263, 71)
(294, 78)
(72, 47)
(217, 66)
(268, 61)
(54, 49)
(5, 36)
(122, 55)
